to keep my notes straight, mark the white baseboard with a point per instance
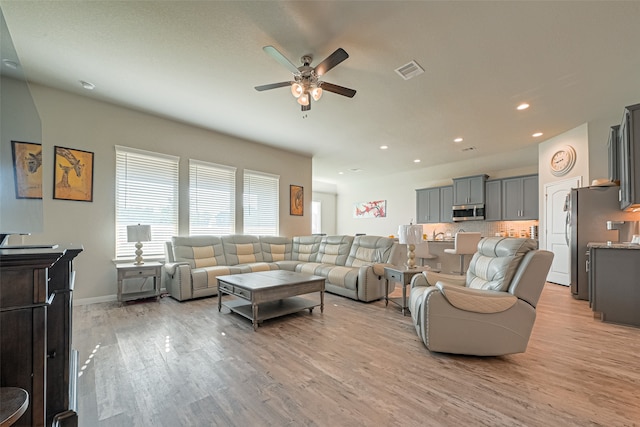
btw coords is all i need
(97, 300)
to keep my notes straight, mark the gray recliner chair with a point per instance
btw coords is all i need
(489, 312)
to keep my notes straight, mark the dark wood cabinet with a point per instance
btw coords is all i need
(36, 287)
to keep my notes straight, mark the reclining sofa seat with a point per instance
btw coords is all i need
(193, 263)
(492, 310)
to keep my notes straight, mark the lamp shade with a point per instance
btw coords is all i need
(138, 233)
(410, 234)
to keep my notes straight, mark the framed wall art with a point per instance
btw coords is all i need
(73, 174)
(296, 200)
(27, 169)
(375, 209)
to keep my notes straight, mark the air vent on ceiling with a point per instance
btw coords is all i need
(410, 70)
(468, 149)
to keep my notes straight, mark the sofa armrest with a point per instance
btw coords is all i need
(170, 267)
(371, 285)
(179, 280)
(378, 268)
(430, 278)
(476, 300)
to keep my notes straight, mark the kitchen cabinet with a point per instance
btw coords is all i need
(613, 151)
(469, 190)
(520, 198)
(428, 205)
(493, 200)
(613, 282)
(629, 152)
(434, 205)
(446, 204)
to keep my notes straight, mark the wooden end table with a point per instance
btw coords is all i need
(134, 271)
(402, 275)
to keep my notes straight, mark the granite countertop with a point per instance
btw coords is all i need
(613, 245)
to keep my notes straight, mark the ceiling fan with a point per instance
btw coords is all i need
(306, 84)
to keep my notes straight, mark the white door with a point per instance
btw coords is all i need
(555, 224)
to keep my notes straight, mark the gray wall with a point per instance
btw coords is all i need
(77, 122)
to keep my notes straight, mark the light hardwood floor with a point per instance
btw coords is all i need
(185, 364)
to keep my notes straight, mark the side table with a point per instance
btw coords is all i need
(134, 271)
(402, 275)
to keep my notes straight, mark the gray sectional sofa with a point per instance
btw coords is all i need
(352, 266)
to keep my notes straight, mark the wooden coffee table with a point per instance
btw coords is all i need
(268, 294)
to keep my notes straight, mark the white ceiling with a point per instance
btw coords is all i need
(198, 62)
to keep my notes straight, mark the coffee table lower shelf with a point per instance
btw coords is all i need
(270, 309)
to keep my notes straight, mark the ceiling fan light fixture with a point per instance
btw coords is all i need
(316, 93)
(296, 90)
(304, 99)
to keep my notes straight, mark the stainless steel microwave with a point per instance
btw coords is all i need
(468, 213)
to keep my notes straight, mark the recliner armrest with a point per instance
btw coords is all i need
(170, 267)
(476, 300)
(430, 278)
(378, 268)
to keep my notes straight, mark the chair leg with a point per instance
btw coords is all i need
(461, 264)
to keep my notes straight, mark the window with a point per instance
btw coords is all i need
(261, 203)
(212, 198)
(146, 193)
(316, 217)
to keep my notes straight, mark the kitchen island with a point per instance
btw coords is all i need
(614, 288)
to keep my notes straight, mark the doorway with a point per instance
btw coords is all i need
(555, 195)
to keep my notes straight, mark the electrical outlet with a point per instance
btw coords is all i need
(439, 266)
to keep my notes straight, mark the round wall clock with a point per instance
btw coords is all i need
(563, 160)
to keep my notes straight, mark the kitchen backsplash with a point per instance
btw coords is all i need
(487, 228)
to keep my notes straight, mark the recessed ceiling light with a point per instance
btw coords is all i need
(10, 64)
(341, 173)
(384, 147)
(537, 134)
(87, 85)
(416, 161)
(522, 106)
(458, 140)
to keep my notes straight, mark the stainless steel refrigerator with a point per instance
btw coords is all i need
(588, 210)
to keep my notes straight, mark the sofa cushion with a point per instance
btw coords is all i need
(496, 261)
(334, 250)
(203, 278)
(241, 249)
(198, 251)
(367, 250)
(276, 248)
(305, 248)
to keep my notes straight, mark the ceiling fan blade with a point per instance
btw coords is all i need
(273, 86)
(275, 54)
(331, 61)
(344, 91)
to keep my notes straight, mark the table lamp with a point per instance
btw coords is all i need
(410, 235)
(138, 234)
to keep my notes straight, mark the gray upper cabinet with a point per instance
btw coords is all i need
(629, 152)
(446, 204)
(469, 190)
(434, 205)
(428, 205)
(520, 198)
(614, 157)
(493, 200)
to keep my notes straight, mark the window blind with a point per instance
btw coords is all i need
(261, 203)
(212, 198)
(146, 193)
